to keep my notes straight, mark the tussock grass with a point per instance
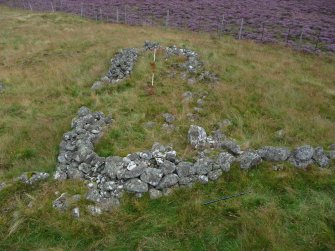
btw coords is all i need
(48, 63)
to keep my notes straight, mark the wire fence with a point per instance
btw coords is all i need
(293, 34)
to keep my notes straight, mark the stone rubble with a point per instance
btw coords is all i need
(31, 178)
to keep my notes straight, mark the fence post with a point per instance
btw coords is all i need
(167, 18)
(300, 38)
(262, 32)
(241, 28)
(52, 6)
(317, 40)
(288, 35)
(222, 25)
(81, 9)
(125, 14)
(117, 15)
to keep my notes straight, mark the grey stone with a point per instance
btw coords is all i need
(169, 118)
(197, 109)
(203, 179)
(277, 167)
(93, 195)
(75, 174)
(320, 157)
(168, 128)
(136, 186)
(224, 161)
(187, 96)
(85, 168)
(2, 185)
(203, 165)
(135, 171)
(31, 178)
(331, 154)
(301, 157)
(225, 123)
(150, 125)
(94, 210)
(168, 180)
(155, 194)
(76, 212)
(2, 87)
(271, 153)
(215, 174)
(98, 85)
(108, 204)
(152, 176)
(187, 180)
(332, 147)
(167, 167)
(151, 45)
(200, 102)
(185, 169)
(232, 146)
(197, 137)
(60, 203)
(249, 159)
(280, 134)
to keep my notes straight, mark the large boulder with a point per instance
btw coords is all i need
(197, 137)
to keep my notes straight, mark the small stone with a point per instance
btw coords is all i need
(225, 123)
(232, 146)
(155, 194)
(150, 125)
(277, 167)
(94, 210)
(331, 154)
(191, 81)
(197, 109)
(203, 166)
(169, 118)
(280, 134)
(2, 87)
(60, 203)
(224, 161)
(203, 179)
(200, 102)
(320, 157)
(31, 178)
(134, 172)
(215, 174)
(75, 212)
(98, 85)
(112, 166)
(93, 195)
(332, 147)
(249, 159)
(187, 96)
(168, 127)
(75, 174)
(108, 204)
(197, 137)
(2, 185)
(136, 186)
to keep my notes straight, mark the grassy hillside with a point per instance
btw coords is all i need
(48, 63)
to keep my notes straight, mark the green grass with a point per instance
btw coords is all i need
(48, 63)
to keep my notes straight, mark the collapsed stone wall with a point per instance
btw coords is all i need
(159, 170)
(124, 61)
